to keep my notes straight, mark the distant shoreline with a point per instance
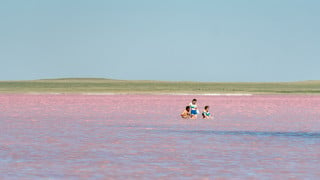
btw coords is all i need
(109, 86)
(110, 94)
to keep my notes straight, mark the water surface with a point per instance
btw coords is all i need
(142, 137)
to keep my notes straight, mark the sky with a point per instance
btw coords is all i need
(175, 40)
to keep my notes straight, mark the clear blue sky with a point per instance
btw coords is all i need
(190, 40)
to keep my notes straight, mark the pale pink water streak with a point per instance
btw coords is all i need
(142, 136)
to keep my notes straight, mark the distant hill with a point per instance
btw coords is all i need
(104, 85)
(76, 79)
(108, 79)
(157, 81)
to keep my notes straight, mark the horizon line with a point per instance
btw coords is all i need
(112, 79)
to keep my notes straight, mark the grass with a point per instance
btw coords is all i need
(95, 85)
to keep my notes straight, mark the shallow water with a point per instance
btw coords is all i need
(142, 137)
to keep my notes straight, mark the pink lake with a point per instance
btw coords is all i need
(143, 137)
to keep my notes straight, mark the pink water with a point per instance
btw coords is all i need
(142, 137)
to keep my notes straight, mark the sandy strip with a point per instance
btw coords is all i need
(173, 94)
(186, 94)
(94, 94)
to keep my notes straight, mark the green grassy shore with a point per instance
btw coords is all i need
(95, 85)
